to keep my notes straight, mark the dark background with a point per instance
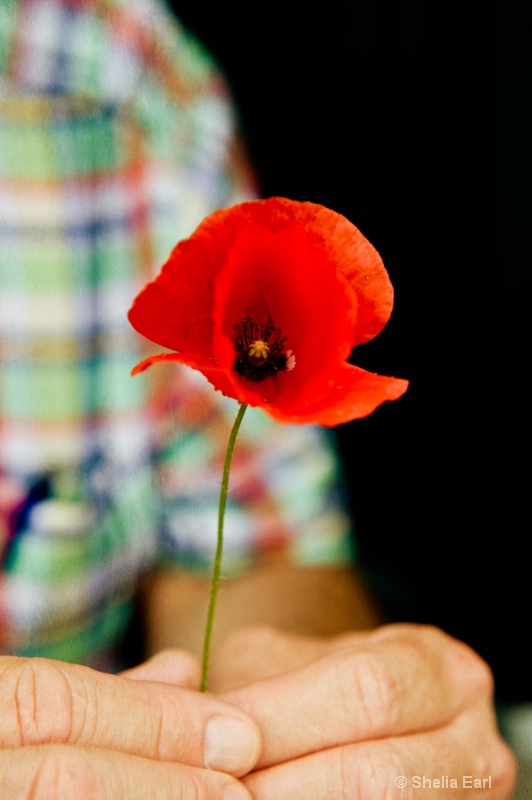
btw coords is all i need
(414, 121)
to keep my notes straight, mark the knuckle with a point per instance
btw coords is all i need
(421, 640)
(479, 673)
(373, 686)
(475, 674)
(371, 777)
(505, 773)
(430, 644)
(43, 702)
(497, 760)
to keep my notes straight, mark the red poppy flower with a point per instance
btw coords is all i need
(267, 299)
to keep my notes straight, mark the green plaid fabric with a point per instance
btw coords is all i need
(117, 137)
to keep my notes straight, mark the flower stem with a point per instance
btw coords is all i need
(219, 547)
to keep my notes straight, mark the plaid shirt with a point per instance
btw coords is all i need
(116, 138)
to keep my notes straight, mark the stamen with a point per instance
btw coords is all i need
(260, 352)
(290, 360)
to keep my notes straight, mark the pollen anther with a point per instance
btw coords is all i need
(260, 350)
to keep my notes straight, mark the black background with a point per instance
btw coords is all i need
(414, 121)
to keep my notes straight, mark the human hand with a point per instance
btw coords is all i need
(68, 731)
(367, 716)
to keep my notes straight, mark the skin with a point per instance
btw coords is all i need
(335, 715)
(345, 712)
(345, 717)
(69, 731)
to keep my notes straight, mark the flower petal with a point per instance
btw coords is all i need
(302, 269)
(175, 308)
(351, 393)
(354, 256)
(294, 283)
(221, 379)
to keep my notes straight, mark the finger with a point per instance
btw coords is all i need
(65, 772)
(44, 701)
(177, 667)
(401, 680)
(405, 768)
(256, 652)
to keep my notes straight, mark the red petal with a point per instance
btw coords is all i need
(351, 393)
(307, 267)
(312, 307)
(147, 362)
(354, 256)
(175, 309)
(221, 379)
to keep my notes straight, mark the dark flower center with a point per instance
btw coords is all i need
(260, 351)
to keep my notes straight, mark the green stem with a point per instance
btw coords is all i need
(219, 547)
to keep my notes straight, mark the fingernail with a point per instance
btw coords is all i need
(235, 791)
(231, 745)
